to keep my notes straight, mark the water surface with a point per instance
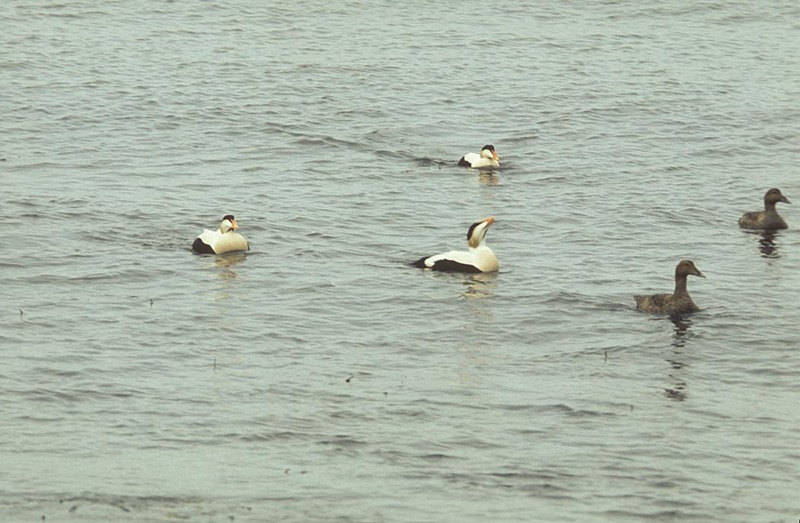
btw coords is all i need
(317, 377)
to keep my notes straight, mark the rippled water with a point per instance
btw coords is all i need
(317, 377)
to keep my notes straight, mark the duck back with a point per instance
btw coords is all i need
(665, 304)
(762, 220)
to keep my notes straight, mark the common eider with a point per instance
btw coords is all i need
(769, 217)
(480, 257)
(487, 159)
(679, 301)
(223, 240)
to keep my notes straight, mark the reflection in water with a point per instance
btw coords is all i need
(766, 243)
(476, 350)
(226, 262)
(480, 285)
(677, 390)
(682, 332)
(487, 177)
(767, 246)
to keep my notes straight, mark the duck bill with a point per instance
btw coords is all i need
(700, 274)
(785, 200)
(234, 225)
(495, 156)
(488, 221)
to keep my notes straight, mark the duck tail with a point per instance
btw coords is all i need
(420, 264)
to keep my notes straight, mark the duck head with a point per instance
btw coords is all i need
(228, 223)
(774, 196)
(488, 152)
(687, 267)
(477, 232)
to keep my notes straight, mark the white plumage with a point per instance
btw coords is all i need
(480, 257)
(225, 239)
(487, 159)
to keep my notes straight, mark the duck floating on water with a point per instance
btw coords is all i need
(225, 239)
(769, 218)
(679, 302)
(487, 159)
(480, 257)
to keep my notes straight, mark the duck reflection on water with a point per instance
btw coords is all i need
(480, 285)
(767, 242)
(226, 263)
(767, 245)
(682, 334)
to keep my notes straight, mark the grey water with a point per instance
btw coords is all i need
(317, 377)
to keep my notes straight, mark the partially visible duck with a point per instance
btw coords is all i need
(769, 217)
(225, 239)
(480, 257)
(679, 301)
(487, 159)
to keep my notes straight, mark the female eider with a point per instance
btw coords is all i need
(769, 217)
(223, 240)
(487, 159)
(480, 257)
(678, 302)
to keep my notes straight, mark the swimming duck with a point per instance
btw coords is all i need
(769, 217)
(487, 159)
(678, 302)
(480, 257)
(223, 240)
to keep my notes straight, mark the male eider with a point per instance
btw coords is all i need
(480, 257)
(224, 239)
(769, 217)
(487, 159)
(678, 302)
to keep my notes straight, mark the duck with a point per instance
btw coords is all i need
(486, 159)
(768, 218)
(480, 257)
(225, 239)
(679, 302)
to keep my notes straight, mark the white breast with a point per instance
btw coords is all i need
(477, 162)
(222, 243)
(229, 242)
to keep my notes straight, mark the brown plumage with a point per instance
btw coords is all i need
(678, 302)
(769, 217)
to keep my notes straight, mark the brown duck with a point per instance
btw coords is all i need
(678, 302)
(769, 217)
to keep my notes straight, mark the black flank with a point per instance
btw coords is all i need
(420, 264)
(463, 163)
(202, 248)
(454, 266)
